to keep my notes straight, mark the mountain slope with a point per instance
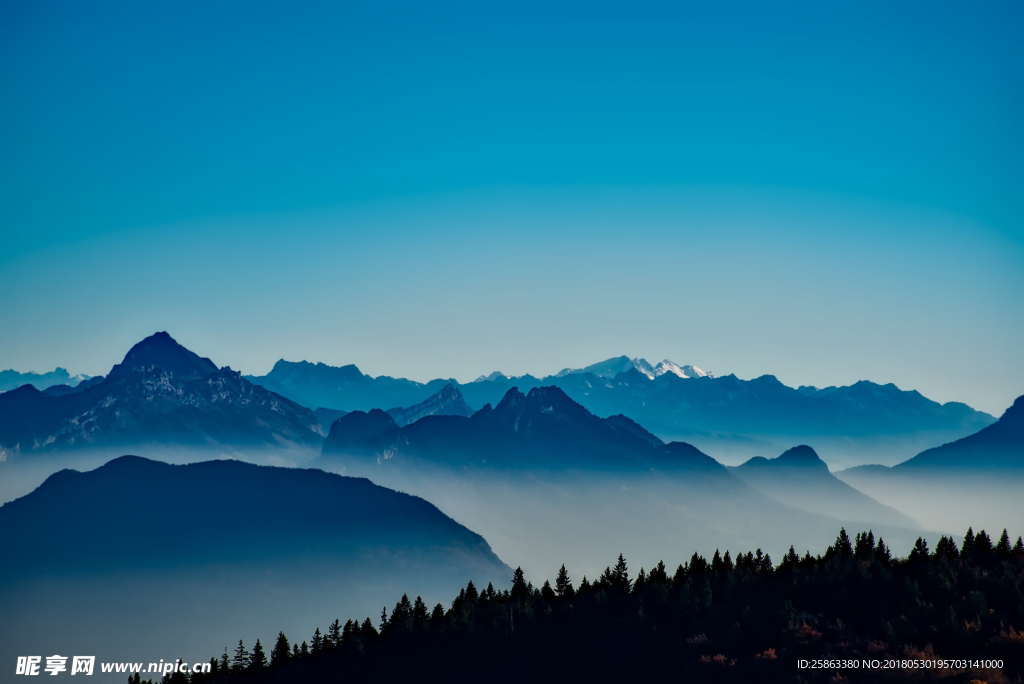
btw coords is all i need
(800, 478)
(999, 446)
(447, 402)
(161, 393)
(225, 547)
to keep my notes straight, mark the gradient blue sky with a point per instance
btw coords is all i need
(823, 191)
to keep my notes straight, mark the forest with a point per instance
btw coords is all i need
(853, 613)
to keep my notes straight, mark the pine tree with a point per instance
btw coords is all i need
(258, 659)
(240, 660)
(640, 581)
(520, 589)
(842, 549)
(1003, 550)
(281, 651)
(563, 585)
(333, 639)
(224, 663)
(882, 553)
(716, 563)
(984, 552)
(920, 551)
(317, 643)
(946, 549)
(419, 614)
(967, 548)
(864, 547)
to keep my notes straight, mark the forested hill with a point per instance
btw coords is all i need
(739, 619)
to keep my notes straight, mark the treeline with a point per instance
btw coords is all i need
(720, 620)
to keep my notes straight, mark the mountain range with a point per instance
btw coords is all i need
(11, 379)
(975, 480)
(542, 430)
(220, 546)
(541, 461)
(161, 393)
(733, 418)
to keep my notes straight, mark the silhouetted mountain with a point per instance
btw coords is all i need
(361, 430)
(801, 479)
(11, 379)
(543, 429)
(342, 387)
(999, 446)
(161, 393)
(217, 546)
(972, 481)
(733, 418)
(236, 508)
(995, 450)
(447, 402)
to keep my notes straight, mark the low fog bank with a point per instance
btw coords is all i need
(585, 520)
(196, 614)
(951, 501)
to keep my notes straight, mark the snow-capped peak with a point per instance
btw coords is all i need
(685, 371)
(609, 368)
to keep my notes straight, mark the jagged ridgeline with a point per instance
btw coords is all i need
(742, 619)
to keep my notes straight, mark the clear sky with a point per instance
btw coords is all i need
(823, 191)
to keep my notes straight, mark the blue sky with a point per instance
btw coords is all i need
(826, 193)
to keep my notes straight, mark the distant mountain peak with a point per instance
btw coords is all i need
(800, 455)
(609, 368)
(682, 371)
(447, 401)
(546, 399)
(160, 351)
(493, 376)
